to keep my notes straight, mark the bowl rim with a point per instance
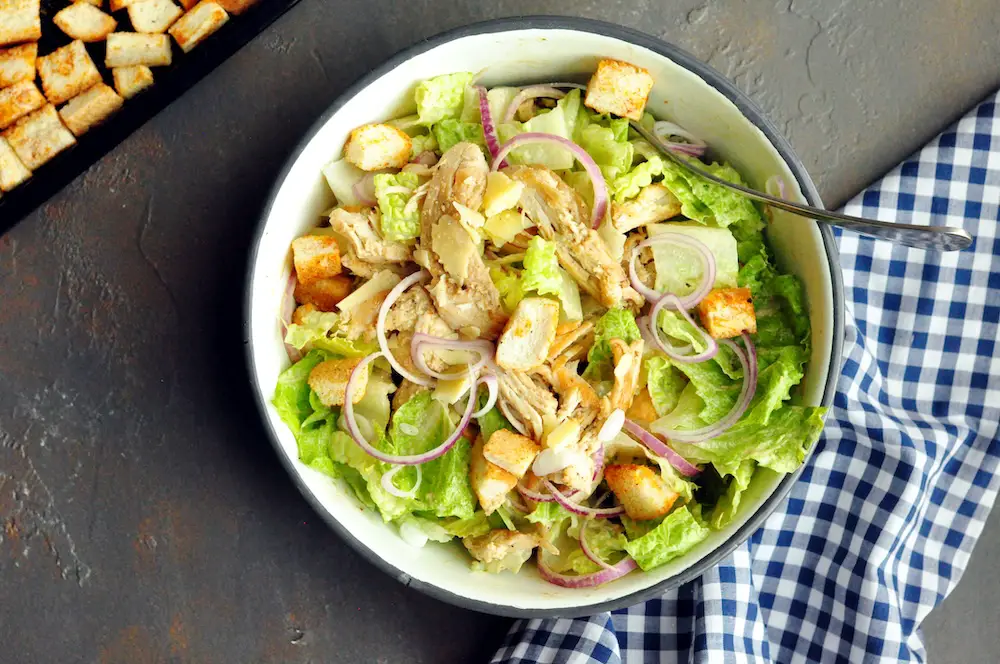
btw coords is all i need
(748, 108)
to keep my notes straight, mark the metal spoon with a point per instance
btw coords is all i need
(940, 238)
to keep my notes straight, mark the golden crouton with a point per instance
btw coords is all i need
(328, 380)
(39, 137)
(728, 312)
(641, 491)
(66, 72)
(619, 88)
(490, 482)
(316, 257)
(17, 64)
(117, 5)
(373, 147)
(85, 22)
(237, 6)
(12, 171)
(198, 24)
(90, 108)
(153, 16)
(324, 294)
(127, 49)
(528, 335)
(130, 81)
(17, 101)
(642, 411)
(511, 451)
(300, 313)
(19, 21)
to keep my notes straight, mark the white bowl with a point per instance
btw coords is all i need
(511, 52)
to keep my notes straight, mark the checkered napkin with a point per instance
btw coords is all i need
(883, 520)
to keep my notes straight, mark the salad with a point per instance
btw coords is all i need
(522, 328)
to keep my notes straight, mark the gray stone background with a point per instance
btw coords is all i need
(145, 518)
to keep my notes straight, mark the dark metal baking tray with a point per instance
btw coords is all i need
(169, 84)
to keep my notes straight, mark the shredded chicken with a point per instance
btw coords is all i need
(367, 253)
(461, 288)
(567, 336)
(359, 322)
(653, 204)
(645, 268)
(560, 215)
(628, 362)
(408, 308)
(499, 543)
(525, 399)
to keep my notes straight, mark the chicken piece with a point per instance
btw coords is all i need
(628, 362)
(497, 544)
(641, 491)
(654, 203)
(464, 294)
(315, 257)
(491, 483)
(561, 216)
(569, 334)
(373, 147)
(526, 339)
(642, 411)
(527, 401)
(619, 88)
(728, 312)
(400, 344)
(366, 246)
(410, 306)
(577, 398)
(328, 380)
(511, 451)
(324, 294)
(645, 267)
(406, 391)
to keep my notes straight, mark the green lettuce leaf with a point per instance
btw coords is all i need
(676, 535)
(543, 275)
(608, 147)
(508, 281)
(724, 511)
(422, 143)
(291, 395)
(614, 324)
(559, 121)
(477, 524)
(397, 222)
(605, 539)
(492, 421)
(441, 97)
(450, 132)
(664, 384)
(321, 330)
(710, 203)
(629, 184)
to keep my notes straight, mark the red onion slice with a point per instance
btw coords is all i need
(576, 508)
(589, 165)
(514, 422)
(749, 362)
(679, 353)
(587, 551)
(775, 186)
(425, 158)
(617, 571)
(657, 446)
(287, 311)
(598, 457)
(515, 502)
(391, 488)
(424, 342)
(493, 385)
(397, 459)
(364, 189)
(664, 130)
(707, 276)
(532, 92)
(531, 495)
(489, 130)
(383, 342)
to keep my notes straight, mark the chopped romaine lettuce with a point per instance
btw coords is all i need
(510, 285)
(291, 396)
(664, 384)
(614, 324)
(321, 330)
(422, 143)
(450, 132)
(628, 185)
(543, 275)
(608, 147)
(724, 511)
(677, 534)
(441, 97)
(679, 269)
(558, 121)
(398, 223)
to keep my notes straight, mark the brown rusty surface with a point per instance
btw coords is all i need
(144, 515)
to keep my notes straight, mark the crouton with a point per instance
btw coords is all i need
(153, 16)
(66, 72)
(130, 81)
(198, 24)
(17, 101)
(618, 88)
(17, 64)
(499, 543)
(127, 49)
(20, 21)
(237, 6)
(728, 312)
(373, 147)
(96, 3)
(85, 22)
(12, 171)
(511, 451)
(300, 313)
(188, 4)
(316, 257)
(490, 482)
(118, 5)
(528, 335)
(642, 411)
(328, 380)
(640, 490)
(90, 108)
(39, 137)
(324, 294)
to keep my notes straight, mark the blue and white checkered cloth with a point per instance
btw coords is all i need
(883, 520)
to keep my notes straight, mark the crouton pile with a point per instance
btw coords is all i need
(47, 101)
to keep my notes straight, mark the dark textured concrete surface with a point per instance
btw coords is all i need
(145, 517)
